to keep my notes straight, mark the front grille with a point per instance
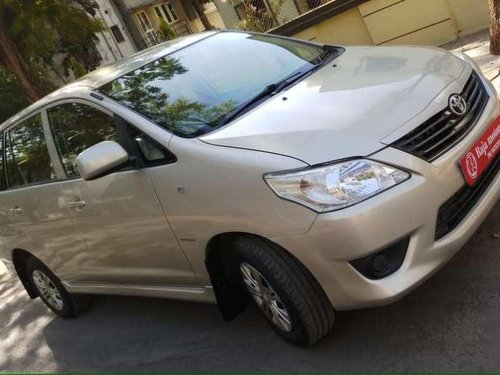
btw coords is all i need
(454, 210)
(443, 130)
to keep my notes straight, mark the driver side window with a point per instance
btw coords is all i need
(77, 127)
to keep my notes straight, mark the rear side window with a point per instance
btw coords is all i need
(27, 157)
(3, 182)
(77, 127)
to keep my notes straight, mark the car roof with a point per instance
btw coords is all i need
(108, 73)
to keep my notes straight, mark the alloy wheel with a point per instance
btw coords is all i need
(266, 297)
(47, 290)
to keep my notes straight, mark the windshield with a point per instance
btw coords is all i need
(189, 91)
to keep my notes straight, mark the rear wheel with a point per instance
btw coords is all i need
(52, 292)
(285, 292)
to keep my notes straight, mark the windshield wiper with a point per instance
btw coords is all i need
(269, 90)
(274, 88)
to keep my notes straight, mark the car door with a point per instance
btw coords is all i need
(33, 216)
(129, 239)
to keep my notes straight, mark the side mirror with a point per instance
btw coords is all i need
(100, 159)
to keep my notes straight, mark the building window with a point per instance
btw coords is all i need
(144, 21)
(166, 12)
(117, 33)
(152, 37)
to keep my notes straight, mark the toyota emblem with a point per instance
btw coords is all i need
(458, 105)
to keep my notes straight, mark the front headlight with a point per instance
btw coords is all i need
(335, 186)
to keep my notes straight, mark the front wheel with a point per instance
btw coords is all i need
(285, 292)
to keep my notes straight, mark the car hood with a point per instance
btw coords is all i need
(345, 108)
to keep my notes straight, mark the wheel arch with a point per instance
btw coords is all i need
(19, 259)
(232, 299)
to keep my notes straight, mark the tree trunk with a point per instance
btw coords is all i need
(13, 61)
(198, 7)
(495, 27)
(11, 58)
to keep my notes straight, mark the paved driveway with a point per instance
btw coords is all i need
(451, 323)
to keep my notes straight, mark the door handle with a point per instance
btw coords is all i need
(76, 204)
(16, 211)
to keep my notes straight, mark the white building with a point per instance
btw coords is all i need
(132, 25)
(116, 42)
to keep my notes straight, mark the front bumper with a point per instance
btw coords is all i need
(408, 210)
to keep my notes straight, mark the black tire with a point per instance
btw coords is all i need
(72, 304)
(310, 312)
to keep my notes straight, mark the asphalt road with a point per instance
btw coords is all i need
(450, 323)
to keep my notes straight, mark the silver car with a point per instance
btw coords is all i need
(230, 166)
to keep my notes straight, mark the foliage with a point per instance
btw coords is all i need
(88, 6)
(36, 33)
(44, 28)
(11, 96)
(166, 30)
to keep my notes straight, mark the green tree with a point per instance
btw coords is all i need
(166, 30)
(12, 99)
(32, 32)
